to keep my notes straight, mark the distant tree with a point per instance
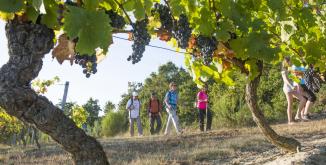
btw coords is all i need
(109, 107)
(93, 109)
(67, 108)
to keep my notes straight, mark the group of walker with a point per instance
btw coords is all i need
(170, 101)
(295, 86)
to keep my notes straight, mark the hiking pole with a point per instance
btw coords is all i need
(206, 115)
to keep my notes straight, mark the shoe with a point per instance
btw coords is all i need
(297, 118)
(305, 118)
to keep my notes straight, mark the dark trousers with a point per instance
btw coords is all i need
(201, 115)
(156, 118)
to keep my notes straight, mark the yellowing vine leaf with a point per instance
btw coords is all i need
(65, 50)
(6, 16)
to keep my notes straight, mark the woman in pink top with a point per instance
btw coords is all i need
(202, 106)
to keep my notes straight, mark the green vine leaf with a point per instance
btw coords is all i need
(92, 28)
(91, 4)
(32, 14)
(37, 4)
(11, 6)
(176, 8)
(139, 11)
(204, 22)
(252, 67)
(50, 18)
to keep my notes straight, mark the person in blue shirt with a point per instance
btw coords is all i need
(307, 94)
(171, 101)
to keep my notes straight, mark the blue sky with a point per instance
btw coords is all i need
(111, 80)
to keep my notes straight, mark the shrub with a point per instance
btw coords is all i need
(113, 123)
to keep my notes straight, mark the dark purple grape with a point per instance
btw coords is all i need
(141, 39)
(206, 45)
(88, 63)
(182, 31)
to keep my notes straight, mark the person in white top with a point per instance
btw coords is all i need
(133, 107)
(290, 91)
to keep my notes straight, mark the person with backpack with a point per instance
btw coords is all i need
(203, 110)
(171, 101)
(154, 113)
(133, 107)
(309, 84)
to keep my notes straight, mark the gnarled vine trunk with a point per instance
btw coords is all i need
(288, 144)
(28, 43)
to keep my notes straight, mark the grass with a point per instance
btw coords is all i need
(225, 146)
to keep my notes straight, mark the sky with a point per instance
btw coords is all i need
(114, 72)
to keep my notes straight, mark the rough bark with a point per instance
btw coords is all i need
(285, 143)
(28, 43)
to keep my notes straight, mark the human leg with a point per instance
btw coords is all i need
(302, 103)
(131, 121)
(168, 123)
(209, 120)
(311, 97)
(139, 127)
(201, 119)
(159, 124)
(289, 99)
(175, 121)
(152, 120)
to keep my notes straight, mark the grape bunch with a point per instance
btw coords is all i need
(88, 63)
(117, 21)
(165, 16)
(182, 31)
(141, 38)
(206, 45)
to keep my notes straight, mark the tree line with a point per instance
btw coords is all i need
(227, 103)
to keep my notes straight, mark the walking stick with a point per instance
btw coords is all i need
(206, 116)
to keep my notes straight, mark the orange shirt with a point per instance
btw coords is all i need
(154, 106)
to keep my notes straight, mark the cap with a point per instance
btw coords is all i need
(134, 94)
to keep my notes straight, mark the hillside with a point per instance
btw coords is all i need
(229, 146)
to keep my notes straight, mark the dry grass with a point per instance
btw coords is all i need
(227, 146)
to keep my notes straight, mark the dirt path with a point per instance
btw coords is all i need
(234, 146)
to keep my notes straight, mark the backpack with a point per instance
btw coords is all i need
(150, 105)
(312, 80)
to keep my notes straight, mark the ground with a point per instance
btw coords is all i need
(228, 146)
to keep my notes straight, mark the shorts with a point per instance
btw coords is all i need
(287, 89)
(309, 95)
